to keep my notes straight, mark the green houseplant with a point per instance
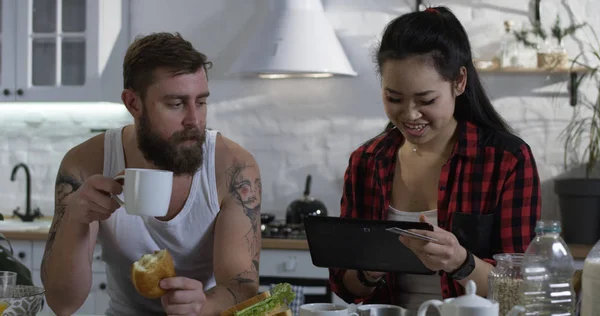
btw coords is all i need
(579, 195)
(547, 42)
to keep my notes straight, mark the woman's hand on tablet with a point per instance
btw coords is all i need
(445, 254)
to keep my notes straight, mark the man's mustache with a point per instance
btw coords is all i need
(185, 135)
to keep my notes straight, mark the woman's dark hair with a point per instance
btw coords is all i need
(436, 35)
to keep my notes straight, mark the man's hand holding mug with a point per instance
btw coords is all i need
(147, 192)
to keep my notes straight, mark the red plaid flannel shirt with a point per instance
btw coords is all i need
(489, 187)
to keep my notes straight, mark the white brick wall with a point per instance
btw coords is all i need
(294, 127)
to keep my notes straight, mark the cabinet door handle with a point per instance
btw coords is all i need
(290, 264)
(6, 92)
(20, 91)
(102, 286)
(22, 255)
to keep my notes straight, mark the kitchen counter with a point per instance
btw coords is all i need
(14, 229)
(284, 244)
(579, 251)
(267, 243)
(26, 235)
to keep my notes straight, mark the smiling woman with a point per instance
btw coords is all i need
(447, 158)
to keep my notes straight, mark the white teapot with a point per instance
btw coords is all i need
(467, 305)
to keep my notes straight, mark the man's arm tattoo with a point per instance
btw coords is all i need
(236, 285)
(245, 187)
(235, 298)
(65, 185)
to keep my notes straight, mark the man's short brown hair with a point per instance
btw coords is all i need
(169, 50)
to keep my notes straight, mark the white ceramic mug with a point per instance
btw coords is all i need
(378, 310)
(323, 309)
(147, 192)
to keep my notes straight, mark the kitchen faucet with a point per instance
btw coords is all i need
(29, 215)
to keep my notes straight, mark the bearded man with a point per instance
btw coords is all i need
(212, 228)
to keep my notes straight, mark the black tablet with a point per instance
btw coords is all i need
(361, 244)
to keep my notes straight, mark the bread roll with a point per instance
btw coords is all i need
(147, 272)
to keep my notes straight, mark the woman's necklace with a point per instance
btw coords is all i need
(415, 152)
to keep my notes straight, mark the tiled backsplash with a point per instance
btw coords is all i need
(295, 127)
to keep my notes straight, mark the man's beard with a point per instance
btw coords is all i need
(171, 154)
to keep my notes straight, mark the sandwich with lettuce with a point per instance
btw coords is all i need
(269, 303)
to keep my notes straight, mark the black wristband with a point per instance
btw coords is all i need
(363, 280)
(465, 269)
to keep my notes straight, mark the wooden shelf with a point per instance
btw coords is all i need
(573, 74)
(533, 71)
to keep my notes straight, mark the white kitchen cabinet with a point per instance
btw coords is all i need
(99, 293)
(23, 251)
(57, 50)
(97, 300)
(281, 265)
(289, 263)
(36, 260)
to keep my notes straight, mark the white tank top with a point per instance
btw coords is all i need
(397, 215)
(188, 237)
(414, 289)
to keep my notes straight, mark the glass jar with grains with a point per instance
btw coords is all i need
(504, 281)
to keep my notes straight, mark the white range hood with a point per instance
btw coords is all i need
(296, 40)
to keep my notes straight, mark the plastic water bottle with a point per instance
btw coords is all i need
(590, 289)
(548, 270)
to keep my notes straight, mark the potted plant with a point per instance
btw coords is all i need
(550, 50)
(579, 195)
